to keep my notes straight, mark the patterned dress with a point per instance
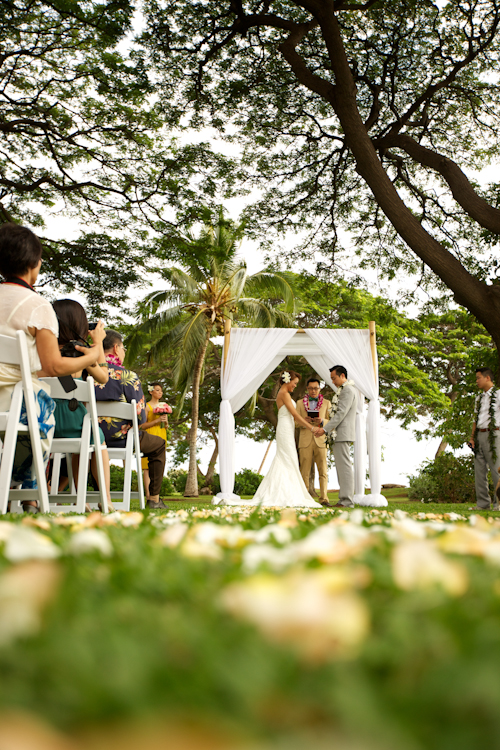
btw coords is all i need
(123, 385)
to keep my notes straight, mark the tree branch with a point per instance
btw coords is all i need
(463, 192)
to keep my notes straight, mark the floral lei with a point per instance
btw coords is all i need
(492, 423)
(330, 436)
(306, 402)
(112, 359)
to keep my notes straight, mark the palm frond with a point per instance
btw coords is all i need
(184, 283)
(194, 335)
(275, 286)
(169, 341)
(252, 404)
(256, 313)
(235, 277)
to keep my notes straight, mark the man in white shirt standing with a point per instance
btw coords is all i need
(485, 437)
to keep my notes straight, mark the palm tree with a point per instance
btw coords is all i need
(214, 286)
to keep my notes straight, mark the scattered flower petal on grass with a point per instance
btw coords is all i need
(420, 565)
(192, 548)
(407, 528)
(464, 540)
(173, 535)
(131, 519)
(300, 610)
(40, 523)
(276, 558)
(27, 544)
(280, 534)
(288, 518)
(90, 540)
(25, 590)
(333, 543)
(68, 520)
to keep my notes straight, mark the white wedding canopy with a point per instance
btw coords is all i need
(254, 353)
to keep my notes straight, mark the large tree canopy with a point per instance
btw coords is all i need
(372, 117)
(80, 135)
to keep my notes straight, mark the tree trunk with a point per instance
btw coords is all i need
(192, 478)
(444, 442)
(481, 299)
(268, 405)
(211, 466)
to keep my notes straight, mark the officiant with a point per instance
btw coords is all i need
(316, 411)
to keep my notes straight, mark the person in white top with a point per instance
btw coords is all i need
(22, 309)
(485, 439)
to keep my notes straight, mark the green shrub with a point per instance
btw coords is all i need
(116, 481)
(178, 478)
(246, 482)
(445, 479)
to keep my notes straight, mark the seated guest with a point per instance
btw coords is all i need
(22, 309)
(74, 326)
(124, 385)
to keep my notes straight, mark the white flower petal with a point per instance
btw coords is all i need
(90, 540)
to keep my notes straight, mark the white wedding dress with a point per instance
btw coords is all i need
(283, 485)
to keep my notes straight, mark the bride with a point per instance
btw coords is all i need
(283, 484)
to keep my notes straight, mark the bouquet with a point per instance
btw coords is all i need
(162, 408)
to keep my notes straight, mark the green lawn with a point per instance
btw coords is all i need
(204, 627)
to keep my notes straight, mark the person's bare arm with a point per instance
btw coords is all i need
(100, 374)
(308, 420)
(53, 365)
(286, 399)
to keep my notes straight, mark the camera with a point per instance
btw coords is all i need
(68, 350)
(92, 326)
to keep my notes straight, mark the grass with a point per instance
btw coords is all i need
(136, 649)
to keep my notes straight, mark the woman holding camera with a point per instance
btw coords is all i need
(22, 309)
(74, 327)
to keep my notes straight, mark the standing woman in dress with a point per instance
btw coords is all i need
(155, 425)
(22, 309)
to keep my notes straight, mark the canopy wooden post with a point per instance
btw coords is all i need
(373, 347)
(227, 339)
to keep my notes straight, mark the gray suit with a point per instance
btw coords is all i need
(344, 421)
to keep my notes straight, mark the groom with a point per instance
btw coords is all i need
(311, 448)
(343, 421)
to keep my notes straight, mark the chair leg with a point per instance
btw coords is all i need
(56, 473)
(9, 447)
(127, 478)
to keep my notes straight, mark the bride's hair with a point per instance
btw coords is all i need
(286, 376)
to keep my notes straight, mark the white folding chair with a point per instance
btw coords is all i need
(14, 351)
(84, 392)
(125, 411)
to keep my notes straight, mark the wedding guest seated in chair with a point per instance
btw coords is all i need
(23, 309)
(124, 385)
(74, 329)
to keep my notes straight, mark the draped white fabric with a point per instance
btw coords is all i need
(360, 452)
(351, 348)
(253, 354)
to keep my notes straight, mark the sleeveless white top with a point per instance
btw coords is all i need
(22, 309)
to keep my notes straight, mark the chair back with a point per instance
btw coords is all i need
(128, 411)
(84, 392)
(81, 392)
(117, 409)
(14, 351)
